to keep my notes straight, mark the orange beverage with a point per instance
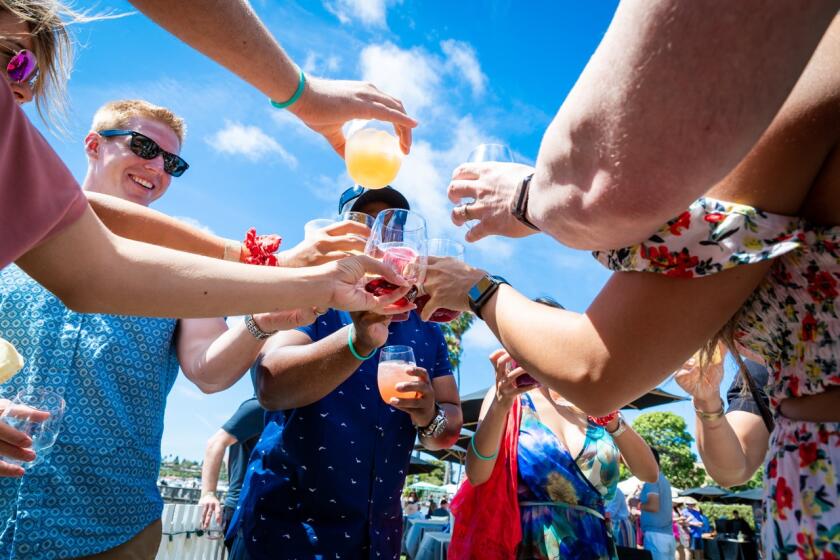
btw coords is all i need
(373, 158)
(391, 373)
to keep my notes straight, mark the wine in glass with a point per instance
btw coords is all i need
(398, 239)
(394, 363)
(44, 433)
(372, 153)
(441, 248)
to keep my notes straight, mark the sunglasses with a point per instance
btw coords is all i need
(147, 148)
(22, 65)
(348, 197)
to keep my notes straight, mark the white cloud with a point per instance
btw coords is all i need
(412, 75)
(461, 59)
(368, 12)
(320, 65)
(480, 337)
(195, 223)
(248, 141)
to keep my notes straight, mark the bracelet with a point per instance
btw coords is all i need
(709, 415)
(255, 330)
(261, 248)
(353, 350)
(295, 96)
(479, 455)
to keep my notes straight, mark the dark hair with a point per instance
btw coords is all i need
(549, 301)
(655, 454)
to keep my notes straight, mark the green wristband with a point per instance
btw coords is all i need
(295, 96)
(479, 455)
(353, 349)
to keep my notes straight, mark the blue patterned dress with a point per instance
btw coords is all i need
(561, 498)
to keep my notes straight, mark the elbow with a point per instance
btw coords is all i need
(648, 474)
(476, 479)
(729, 479)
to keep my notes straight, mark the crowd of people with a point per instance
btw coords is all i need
(696, 156)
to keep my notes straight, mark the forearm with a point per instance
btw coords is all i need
(637, 455)
(134, 221)
(674, 97)
(213, 457)
(229, 32)
(296, 376)
(93, 271)
(723, 456)
(224, 360)
(488, 437)
(454, 421)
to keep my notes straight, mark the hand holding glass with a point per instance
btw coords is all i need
(372, 154)
(441, 248)
(19, 415)
(394, 363)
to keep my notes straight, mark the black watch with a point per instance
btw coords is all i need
(519, 205)
(483, 290)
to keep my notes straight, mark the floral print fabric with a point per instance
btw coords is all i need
(561, 498)
(791, 319)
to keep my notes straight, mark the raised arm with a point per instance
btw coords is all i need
(673, 98)
(635, 452)
(732, 446)
(92, 270)
(229, 32)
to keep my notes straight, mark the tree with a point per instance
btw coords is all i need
(668, 433)
(453, 332)
(757, 481)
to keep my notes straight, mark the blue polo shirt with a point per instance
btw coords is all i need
(98, 486)
(324, 480)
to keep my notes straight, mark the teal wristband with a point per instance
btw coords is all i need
(353, 349)
(479, 455)
(295, 96)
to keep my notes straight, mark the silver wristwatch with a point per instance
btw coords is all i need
(255, 330)
(436, 426)
(622, 427)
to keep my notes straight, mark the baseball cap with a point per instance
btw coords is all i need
(355, 197)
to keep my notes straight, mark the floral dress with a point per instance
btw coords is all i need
(561, 498)
(791, 319)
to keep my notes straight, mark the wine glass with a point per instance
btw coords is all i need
(359, 217)
(312, 226)
(398, 239)
(394, 363)
(215, 530)
(372, 153)
(441, 248)
(44, 433)
(487, 153)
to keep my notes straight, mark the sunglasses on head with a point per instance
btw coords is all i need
(147, 148)
(22, 65)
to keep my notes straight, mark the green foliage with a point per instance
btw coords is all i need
(757, 481)
(718, 511)
(668, 433)
(453, 332)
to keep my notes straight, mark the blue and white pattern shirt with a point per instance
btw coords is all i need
(325, 479)
(98, 486)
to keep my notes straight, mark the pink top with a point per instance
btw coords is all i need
(38, 194)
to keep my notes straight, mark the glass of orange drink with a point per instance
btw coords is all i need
(372, 154)
(394, 364)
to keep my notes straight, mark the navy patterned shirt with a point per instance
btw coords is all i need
(325, 479)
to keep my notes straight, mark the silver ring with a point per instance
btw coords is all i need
(465, 207)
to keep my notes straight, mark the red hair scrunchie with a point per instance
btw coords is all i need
(261, 248)
(604, 420)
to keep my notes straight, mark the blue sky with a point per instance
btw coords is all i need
(471, 72)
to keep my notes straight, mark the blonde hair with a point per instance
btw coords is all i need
(116, 114)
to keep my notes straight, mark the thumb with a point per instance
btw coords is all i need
(476, 233)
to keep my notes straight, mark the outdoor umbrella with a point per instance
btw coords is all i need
(752, 495)
(425, 487)
(704, 492)
(420, 466)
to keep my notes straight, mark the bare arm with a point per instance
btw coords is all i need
(637, 454)
(488, 436)
(732, 447)
(91, 270)
(295, 371)
(651, 503)
(214, 454)
(446, 396)
(229, 32)
(135, 221)
(673, 98)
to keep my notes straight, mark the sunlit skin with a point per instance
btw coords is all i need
(115, 170)
(16, 35)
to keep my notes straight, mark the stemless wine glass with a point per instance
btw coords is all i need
(441, 248)
(359, 217)
(312, 226)
(215, 530)
(44, 433)
(487, 153)
(372, 153)
(394, 363)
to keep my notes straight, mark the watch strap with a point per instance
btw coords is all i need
(255, 330)
(482, 291)
(519, 204)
